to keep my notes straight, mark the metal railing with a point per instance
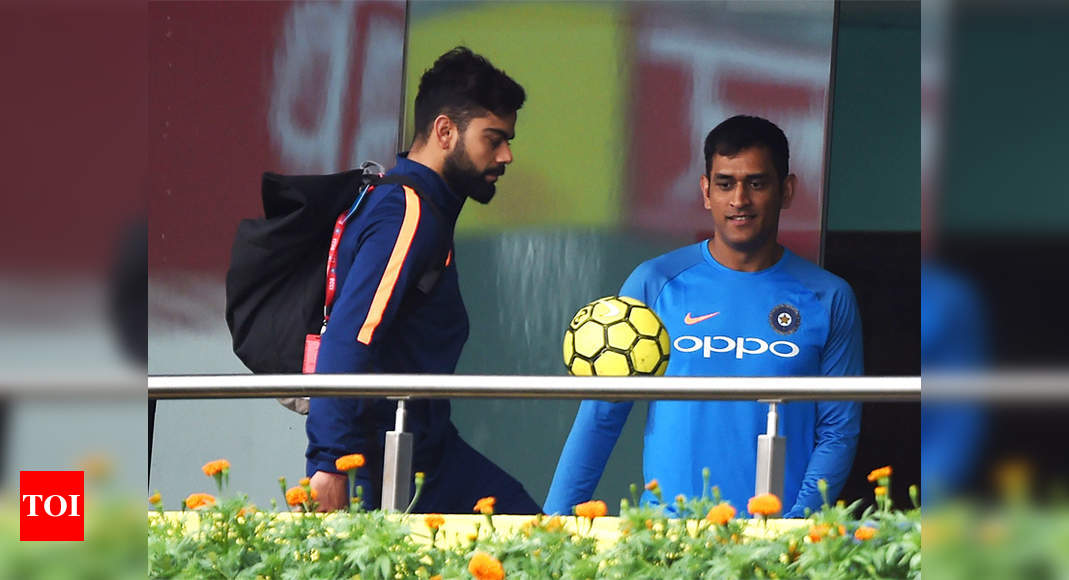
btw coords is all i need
(397, 465)
(539, 387)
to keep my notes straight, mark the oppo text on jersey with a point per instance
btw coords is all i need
(742, 345)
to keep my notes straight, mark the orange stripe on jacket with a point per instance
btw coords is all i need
(393, 267)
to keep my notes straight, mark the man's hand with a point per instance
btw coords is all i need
(330, 490)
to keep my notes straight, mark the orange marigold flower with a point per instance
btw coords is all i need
(817, 532)
(305, 482)
(296, 495)
(553, 524)
(876, 474)
(721, 514)
(349, 462)
(315, 495)
(97, 466)
(591, 509)
(199, 500)
(766, 504)
(154, 499)
(483, 566)
(217, 466)
(652, 485)
(880, 490)
(434, 521)
(485, 505)
(436, 577)
(865, 533)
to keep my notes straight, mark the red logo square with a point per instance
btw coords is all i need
(51, 506)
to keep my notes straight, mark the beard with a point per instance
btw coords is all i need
(465, 179)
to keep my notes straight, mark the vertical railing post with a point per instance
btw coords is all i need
(771, 455)
(397, 464)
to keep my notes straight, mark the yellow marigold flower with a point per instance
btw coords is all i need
(1013, 477)
(154, 499)
(880, 490)
(652, 485)
(485, 505)
(436, 577)
(553, 524)
(817, 532)
(296, 495)
(876, 474)
(483, 566)
(865, 533)
(591, 509)
(349, 462)
(766, 504)
(217, 466)
(305, 482)
(434, 521)
(721, 514)
(199, 500)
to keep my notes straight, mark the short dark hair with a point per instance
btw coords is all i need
(743, 132)
(463, 85)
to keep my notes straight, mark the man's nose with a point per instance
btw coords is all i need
(505, 154)
(740, 196)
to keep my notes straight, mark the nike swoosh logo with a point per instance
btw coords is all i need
(688, 319)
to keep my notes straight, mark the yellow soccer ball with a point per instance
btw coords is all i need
(616, 336)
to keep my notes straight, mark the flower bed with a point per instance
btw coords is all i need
(231, 539)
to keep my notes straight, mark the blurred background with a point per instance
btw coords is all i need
(994, 244)
(72, 276)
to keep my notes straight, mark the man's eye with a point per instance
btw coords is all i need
(757, 184)
(724, 185)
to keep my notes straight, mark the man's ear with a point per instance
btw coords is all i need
(705, 192)
(788, 191)
(445, 133)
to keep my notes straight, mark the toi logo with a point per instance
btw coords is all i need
(51, 506)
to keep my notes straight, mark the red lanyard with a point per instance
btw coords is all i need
(332, 256)
(332, 265)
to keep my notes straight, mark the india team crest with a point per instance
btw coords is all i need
(785, 319)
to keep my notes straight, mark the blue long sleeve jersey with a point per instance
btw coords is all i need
(791, 319)
(382, 323)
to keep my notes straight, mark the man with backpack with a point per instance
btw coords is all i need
(396, 304)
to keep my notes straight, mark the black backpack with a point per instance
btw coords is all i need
(276, 282)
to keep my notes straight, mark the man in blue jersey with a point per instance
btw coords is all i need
(738, 304)
(398, 306)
